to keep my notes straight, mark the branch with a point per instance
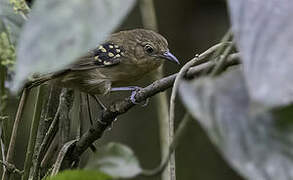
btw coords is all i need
(97, 129)
(67, 98)
(50, 133)
(33, 132)
(11, 167)
(11, 147)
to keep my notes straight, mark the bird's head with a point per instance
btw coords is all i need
(147, 45)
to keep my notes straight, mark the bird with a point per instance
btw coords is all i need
(114, 65)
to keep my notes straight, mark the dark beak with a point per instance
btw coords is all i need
(170, 57)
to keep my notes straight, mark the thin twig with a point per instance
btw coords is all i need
(2, 143)
(11, 167)
(178, 78)
(80, 124)
(177, 137)
(66, 98)
(11, 147)
(33, 132)
(232, 60)
(226, 38)
(64, 150)
(89, 108)
(221, 63)
(50, 155)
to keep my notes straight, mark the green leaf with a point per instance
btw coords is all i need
(263, 32)
(80, 175)
(12, 22)
(58, 32)
(116, 160)
(256, 141)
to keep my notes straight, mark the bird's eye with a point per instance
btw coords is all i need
(148, 49)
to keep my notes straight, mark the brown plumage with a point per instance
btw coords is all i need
(123, 58)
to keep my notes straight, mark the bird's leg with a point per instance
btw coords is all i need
(89, 108)
(134, 90)
(99, 102)
(104, 108)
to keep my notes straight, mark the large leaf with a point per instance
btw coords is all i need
(79, 175)
(263, 31)
(12, 22)
(116, 160)
(257, 143)
(60, 31)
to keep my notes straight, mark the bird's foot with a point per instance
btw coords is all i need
(133, 100)
(134, 90)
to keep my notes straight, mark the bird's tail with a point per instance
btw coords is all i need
(44, 78)
(38, 81)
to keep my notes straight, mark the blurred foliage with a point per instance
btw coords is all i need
(7, 51)
(71, 29)
(10, 22)
(19, 6)
(265, 44)
(251, 140)
(116, 160)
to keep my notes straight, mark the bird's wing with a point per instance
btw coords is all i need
(107, 54)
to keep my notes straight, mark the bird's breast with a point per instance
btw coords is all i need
(125, 74)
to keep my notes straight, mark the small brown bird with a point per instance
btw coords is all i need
(116, 64)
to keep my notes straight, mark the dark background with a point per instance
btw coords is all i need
(191, 26)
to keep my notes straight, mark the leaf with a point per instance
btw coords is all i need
(79, 175)
(58, 32)
(117, 160)
(12, 22)
(263, 31)
(256, 142)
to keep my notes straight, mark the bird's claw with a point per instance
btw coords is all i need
(133, 100)
(134, 90)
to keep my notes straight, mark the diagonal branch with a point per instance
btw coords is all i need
(97, 129)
